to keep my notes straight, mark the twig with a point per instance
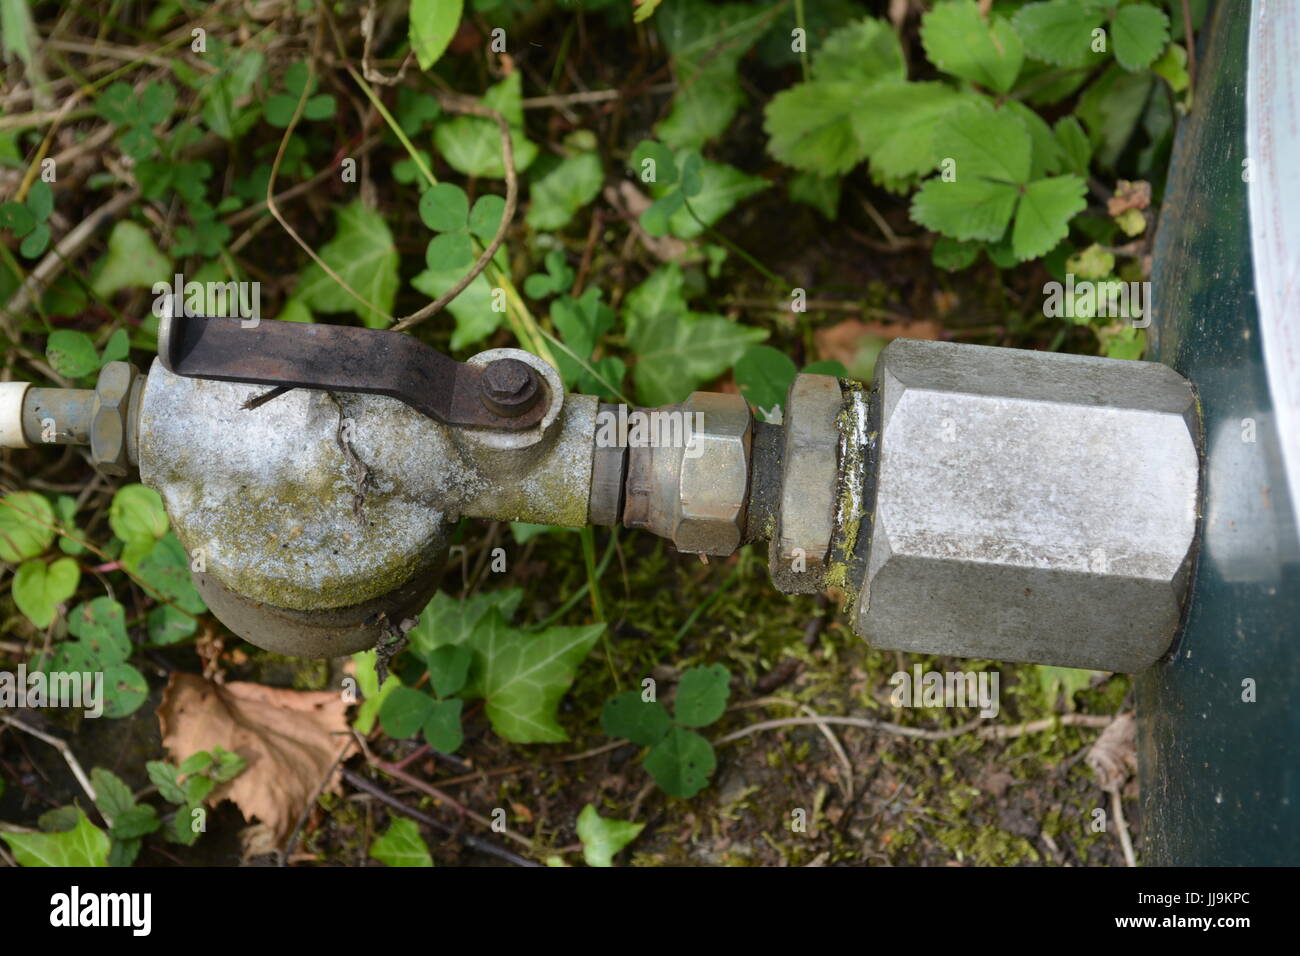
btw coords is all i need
(1121, 827)
(62, 747)
(457, 105)
(476, 843)
(918, 733)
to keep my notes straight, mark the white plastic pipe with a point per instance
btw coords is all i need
(11, 414)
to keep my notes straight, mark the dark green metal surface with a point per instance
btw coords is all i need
(1221, 776)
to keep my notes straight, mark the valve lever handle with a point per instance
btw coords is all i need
(346, 359)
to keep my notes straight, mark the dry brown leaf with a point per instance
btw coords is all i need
(1114, 756)
(842, 340)
(1129, 195)
(290, 739)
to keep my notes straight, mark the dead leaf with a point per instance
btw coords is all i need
(1129, 195)
(1114, 756)
(842, 340)
(290, 739)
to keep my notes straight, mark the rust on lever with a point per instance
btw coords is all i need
(345, 359)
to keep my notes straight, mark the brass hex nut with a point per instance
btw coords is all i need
(713, 480)
(109, 421)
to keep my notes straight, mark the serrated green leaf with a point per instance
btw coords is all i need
(138, 821)
(810, 127)
(1075, 150)
(229, 765)
(83, 845)
(987, 144)
(960, 42)
(362, 253)
(865, 52)
(1058, 32)
(1043, 217)
(603, 838)
(901, 126)
(965, 209)
(681, 763)
(112, 795)
(1045, 151)
(401, 845)
(39, 589)
(1139, 32)
(195, 763)
(163, 775)
(433, 24)
(627, 715)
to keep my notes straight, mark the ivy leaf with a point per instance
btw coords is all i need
(678, 353)
(1043, 218)
(764, 375)
(433, 25)
(448, 668)
(132, 261)
(1059, 31)
(362, 253)
(83, 845)
(706, 101)
(602, 838)
(641, 721)
(475, 317)
(523, 675)
(681, 763)
(472, 144)
(442, 727)
(580, 322)
(559, 194)
(720, 187)
(39, 589)
(958, 41)
(401, 845)
(372, 695)
(404, 712)
(71, 353)
(101, 626)
(702, 695)
(1139, 32)
(26, 525)
(446, 620)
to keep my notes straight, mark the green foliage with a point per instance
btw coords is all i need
(77, 842)
(471, 145)
(680, 760)
(363, 255)
(471, 651)
(298, 82)
(29, 220)
(188, 786)
(401, 845)
(27, 525)
(39, 588)
(433, 24)
(602, 838)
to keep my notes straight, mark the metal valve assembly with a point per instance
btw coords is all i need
(971, 501)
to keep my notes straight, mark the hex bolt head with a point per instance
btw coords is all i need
(108, 425)
(509, 387)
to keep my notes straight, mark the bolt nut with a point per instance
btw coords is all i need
(109, 420)
(694, 491)
(509, 387)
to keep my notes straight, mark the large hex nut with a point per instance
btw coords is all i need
(714, 477)
(693, 487)
(1030, 506)
(109, 425)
